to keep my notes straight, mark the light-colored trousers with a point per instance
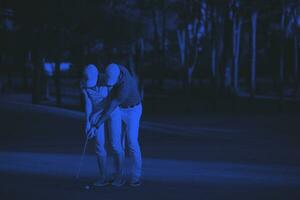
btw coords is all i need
(114, 121)
(131, 118)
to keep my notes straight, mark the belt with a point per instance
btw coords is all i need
(131, 106)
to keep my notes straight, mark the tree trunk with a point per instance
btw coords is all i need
(37, 81)
(57, 77)
(181, 43)
(253, 60)
(26, 65)
(164, 34)
(34, 94)
(157, 50)
(156, 33)
(213, 61)
(296, 67)
(8, 66)
(227, 51)
(139, 62)
(282, 51)
(237, 36)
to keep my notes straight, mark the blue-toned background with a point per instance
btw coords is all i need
(220, 86)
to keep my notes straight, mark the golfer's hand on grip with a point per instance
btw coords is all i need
(91, 133)
(88, 126)
(94, 119)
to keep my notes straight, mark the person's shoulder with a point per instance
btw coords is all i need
(125, 74)
(123, 69)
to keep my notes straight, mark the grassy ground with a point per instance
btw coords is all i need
(204, 156)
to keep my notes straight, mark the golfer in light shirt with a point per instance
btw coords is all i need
(94, 101)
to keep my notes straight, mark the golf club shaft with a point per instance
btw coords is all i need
(82, 156)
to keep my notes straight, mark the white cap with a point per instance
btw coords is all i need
(112, 74)
(91, 75)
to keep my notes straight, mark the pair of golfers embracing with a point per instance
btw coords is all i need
(117, 100)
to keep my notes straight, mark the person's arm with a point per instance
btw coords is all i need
(98, 110)
(104, 115)
(116, 98)
(88, 110)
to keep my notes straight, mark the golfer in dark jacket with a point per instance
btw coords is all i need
(125, 94)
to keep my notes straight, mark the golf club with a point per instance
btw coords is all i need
(82, 156)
